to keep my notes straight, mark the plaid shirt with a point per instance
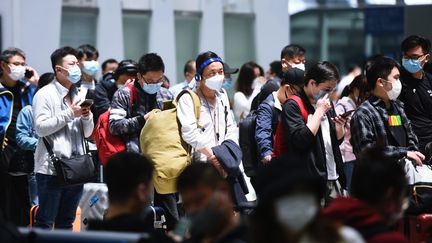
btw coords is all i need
(369, 126)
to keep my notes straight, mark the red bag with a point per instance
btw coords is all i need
(417, 228)
(280, 143)
(108, 144)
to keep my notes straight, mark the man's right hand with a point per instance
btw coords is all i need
(416, 156)
(76, 108)
(266, 160)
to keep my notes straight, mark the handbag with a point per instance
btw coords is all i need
(78, 169)
(419, 187)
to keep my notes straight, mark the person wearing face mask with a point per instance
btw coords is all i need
(352, 96)
(127, 118)
(64, 124)
(269, 112)
(315, 137)
(288, 207)
(381, 119)
(16, 91)
(228, 71)
(215, 125)
(292, 55)
(417, 87)
(105, 89)
(378, 200)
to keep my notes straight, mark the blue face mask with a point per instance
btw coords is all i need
(74, 74)
(318, 96)
(411, 65)
(91, 67)
(228, 84)
(152, 88)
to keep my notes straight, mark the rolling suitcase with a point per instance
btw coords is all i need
(94, 202)
(417, 228)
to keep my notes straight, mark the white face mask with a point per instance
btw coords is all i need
(215, 82)
(296, 211)
(17, 72)
(300, 66)
(396, 90)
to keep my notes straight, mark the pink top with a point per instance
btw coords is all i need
(343, 105)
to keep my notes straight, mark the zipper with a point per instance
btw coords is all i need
(415, 191)
(10, 116)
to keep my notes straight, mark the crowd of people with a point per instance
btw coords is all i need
(327, 148)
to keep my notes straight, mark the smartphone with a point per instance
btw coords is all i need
(28, 73)
(346, 114)
(87, 103)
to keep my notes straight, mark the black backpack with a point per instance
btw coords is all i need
(247, 141)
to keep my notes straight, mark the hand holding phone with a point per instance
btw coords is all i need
(28, 73)
(87, 103)
(346, 114)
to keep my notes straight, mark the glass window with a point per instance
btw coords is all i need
(136, 34)
(187, 39)
(78, 26)
(239, 40)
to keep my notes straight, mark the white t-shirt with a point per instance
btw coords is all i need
(242, 104)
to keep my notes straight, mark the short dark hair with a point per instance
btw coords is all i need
(276, 68)
(57, 55)
(10, 52)
(360, 83)
(88, 50)
(201, 58)
(123, 172)
(150, 62)
(198, 174)
(381, 68)
(413, 41)
(126, 66)
(245, 78)
(321, 72)
(106, 62)
(45, 79)
(375, 172)
(188, 67)
(291, 51)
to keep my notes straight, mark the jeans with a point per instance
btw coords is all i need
(57, 203)
(169, 204)
(348, 169)
(32, 185)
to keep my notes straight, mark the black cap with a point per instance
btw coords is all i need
(294, 76)
(228, 70)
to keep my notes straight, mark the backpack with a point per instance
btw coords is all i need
(162, 144)
(108, 144)
(280, 143)
(247, 141)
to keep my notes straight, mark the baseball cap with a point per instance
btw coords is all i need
(229, 70)
(294, 76)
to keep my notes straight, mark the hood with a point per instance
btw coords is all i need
(353, 212)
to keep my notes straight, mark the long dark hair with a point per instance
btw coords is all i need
(359, 83)
(245, 78)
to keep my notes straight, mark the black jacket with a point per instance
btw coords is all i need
(229, 155)
(104, 93)
(303, 146)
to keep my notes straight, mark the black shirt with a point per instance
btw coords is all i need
(417, 98)
(397, 130)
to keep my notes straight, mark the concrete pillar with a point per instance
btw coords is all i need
(272, 29)
(324, 37)
(33, 27)
(212, 27)
(110, 30)
(162, 35)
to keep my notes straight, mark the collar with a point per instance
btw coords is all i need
(63, 91)
(277, 103)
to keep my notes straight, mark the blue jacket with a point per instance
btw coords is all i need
(25, 134)
(6, 105)
(268, 115)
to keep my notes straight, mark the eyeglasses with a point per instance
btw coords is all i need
(18, 63)
(147, 81)
(414, 56)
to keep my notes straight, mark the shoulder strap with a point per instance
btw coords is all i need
(133, 93)
(195, 99)
(48, 147)
(300, 103)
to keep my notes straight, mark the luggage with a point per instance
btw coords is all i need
(248, 143)
(420, 187)
(417, 229)
(94, 202)
(162, 144)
